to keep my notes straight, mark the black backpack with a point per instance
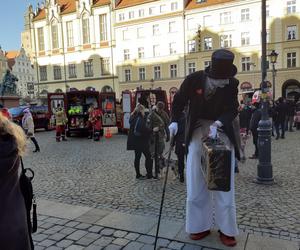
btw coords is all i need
(29, 199)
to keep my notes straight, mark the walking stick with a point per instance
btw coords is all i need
(164, 190)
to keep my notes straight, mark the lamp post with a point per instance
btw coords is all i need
(273, 58)
(264, 167)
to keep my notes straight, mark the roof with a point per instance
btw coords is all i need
(128, 3)
(67, 6)
(192, 4)
(12, 54)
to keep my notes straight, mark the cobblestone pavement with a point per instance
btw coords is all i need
(101, 175)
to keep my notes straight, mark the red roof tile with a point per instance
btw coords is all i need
(128, 3)
(192, 4)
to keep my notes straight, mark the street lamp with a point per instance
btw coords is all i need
(273, 58)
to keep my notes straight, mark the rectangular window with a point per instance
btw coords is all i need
(127, 75)
(291, 60)
(225, 18)
(41, 41)
(85, 31)
(141, 13)
(207, 43)
(54, 32)
(155, 29)
(105, 66)
(191, 67)
(156, 72)
(121, 17)
(126, 54)
(131, 14)
(88, 68)
(140, 32)
(226, 41)
(245, 38)
(173, 70)
(292, 32)
(125, 34)
(57, 72)
(151, 10)
(172, 26)
(43, 73)
(172, 48)
(207, 21)
(156, 50)
(245, 15)
(207, 63)
(103, 27)
(191, 46)
(142, 74)
(141, 53)
(72, 70)
(291, 6)
(245, 63)
(163, 8)
(70, 39)
(174, 6)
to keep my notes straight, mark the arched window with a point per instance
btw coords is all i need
(58, 91)
(85, 29)
(107, 89)
(54, 34)
(44, 92)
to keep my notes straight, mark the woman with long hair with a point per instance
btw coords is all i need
(14, 233)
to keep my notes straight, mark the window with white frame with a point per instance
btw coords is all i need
(172, 48)
(163, 8)
(246, 63)
(173, 70)
(207, 43)
(127, 75)
(291, 6)
(226, 40)
(72, 70)
(292, 32)
(103, 27)
(43, 73)
(156, 50)
(54, 31)
(151, 10)
(155, 29)
(245, 15)
(174, 6)
(41, 42)
(121, 17)
(125, 34)
(172, 26)
(207, 21)
(140, 32)
(207, 63)
(85, 30)
(191, 46)
(57, 72)
(105, 66)
(191, 67)
(88, 68)
(141, 12)
(156, 71)
(291, 59)
(142, 74)
(126, 54)
(245, 38)
(70, 38)
(141, 52)
(191, 24)
(225, 18)
(131, 14)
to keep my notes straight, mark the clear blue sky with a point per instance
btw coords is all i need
(12, 22)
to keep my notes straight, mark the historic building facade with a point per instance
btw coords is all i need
(3, 64)
(20, 65)
(156, 43)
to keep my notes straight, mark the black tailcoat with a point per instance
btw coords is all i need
(222, 106)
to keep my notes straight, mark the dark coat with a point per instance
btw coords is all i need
(179, 137)
(255, 118)
(281, 110)
(138, 142)
(222, 106)
(245, 117)
(13, 221)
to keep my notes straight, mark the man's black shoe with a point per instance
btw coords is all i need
(141, 177)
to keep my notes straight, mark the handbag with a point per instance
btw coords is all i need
(29, 199)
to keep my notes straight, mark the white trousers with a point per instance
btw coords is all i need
(205, 208)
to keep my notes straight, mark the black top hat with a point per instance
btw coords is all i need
(222, 66)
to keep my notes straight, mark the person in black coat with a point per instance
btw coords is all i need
(138, 140)
(255, 118)
(281, 110)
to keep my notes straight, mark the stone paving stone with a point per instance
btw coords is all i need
(39, 248)
(65, 243)
(82, 226)
(92, 215)
(53, 248)
(47, 225)
(57, 236)
(107, 232)
(133, 246)
(39, 237)
(47, 243)
(52, 220)
(77, 235)
(132, 236)
(95, 229)
(113, 247)
(120, 234)
(74, 247)
(163, 242)
(93, 247)
(61, 222)
(146, 239)
(120, 242)
(103, 241)
(85, 241)
(92, 236)
(191, 247)
(67, 230)
(147, 247)
(72, 224)
(176, 245)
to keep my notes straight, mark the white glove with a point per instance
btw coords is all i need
(173, 128)
(155, 129)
